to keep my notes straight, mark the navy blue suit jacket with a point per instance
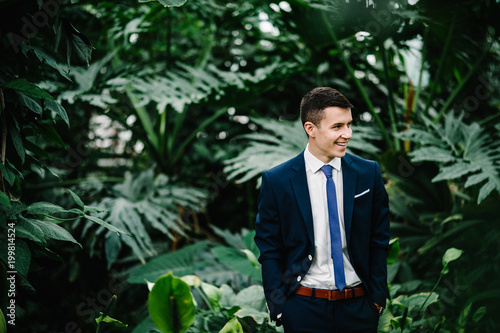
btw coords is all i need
(284, 228)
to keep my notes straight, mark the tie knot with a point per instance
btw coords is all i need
(327, 170)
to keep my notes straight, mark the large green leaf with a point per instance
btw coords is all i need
(237, 260)
(4, 199)
(17, 140)
(24, 87)
(180, 263)
(393, 254)
(31, 104)
(7, 172)
(21, 263)
(171, 304)
(450, 255)
(106, 225)
(416, 302)
(109, 320)
(45, 208)
(58, 109)
(54, 231)
(45, 58)
(48, 132)
(142, 203)
(249, 298)
(435, 154)
(232, 326)
(26, 229)
(213, 293)
(78, 43)
(462, 151)
(3, 324)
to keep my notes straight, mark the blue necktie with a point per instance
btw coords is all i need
(333, 218)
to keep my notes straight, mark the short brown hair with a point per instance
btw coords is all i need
(317, 100)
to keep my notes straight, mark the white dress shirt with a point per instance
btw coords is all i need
(321, 274)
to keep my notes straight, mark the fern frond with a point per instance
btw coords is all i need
(461, 150)
(187, 85)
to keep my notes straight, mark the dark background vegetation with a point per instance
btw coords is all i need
(162, 114)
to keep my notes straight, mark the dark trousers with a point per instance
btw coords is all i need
(308, 314)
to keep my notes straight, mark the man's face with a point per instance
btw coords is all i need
(329, 139)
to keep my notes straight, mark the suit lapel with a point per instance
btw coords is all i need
(298, 181)
(349, 176)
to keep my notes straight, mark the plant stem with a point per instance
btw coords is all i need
(488, 119)
(106, 310)
(162, 136)
(193, 134)
(433, 288)
(169, 38)
(201, 63)
(440, 65)
(362, 90)
(205, 298)
(390, 97)
(457, 89)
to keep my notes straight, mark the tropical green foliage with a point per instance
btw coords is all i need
(277, 141)
(462, 149)
(227, 311)
(409, 312)
(145, 202)
(148, 123)
(234, 263)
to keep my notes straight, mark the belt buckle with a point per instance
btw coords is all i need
(330, 295)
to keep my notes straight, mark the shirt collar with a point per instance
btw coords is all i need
(314, 164)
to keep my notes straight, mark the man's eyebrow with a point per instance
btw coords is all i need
(350, 121)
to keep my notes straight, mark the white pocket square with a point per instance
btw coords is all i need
(362, 193)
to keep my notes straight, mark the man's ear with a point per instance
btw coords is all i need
(310, 128)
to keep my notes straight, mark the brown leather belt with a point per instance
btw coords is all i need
(331, 295)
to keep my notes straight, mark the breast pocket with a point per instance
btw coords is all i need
(362, 193)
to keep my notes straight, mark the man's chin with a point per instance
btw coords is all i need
(340, 154)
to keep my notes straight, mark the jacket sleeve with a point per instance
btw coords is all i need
(269, 241)
(379, 241)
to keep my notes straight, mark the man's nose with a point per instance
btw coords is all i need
(346, 132)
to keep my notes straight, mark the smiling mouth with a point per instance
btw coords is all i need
(342, 144)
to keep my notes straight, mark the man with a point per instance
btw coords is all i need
(323, 228)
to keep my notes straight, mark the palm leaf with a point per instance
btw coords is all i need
(142, 205)
(462, 151)
(279, 141)
(180, 263)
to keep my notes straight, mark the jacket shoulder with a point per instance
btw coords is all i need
(359, 161)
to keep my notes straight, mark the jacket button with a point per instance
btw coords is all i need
(299, 278)
(310, 257)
